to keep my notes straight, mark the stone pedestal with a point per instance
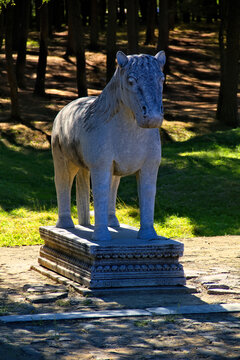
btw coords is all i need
(123, 262)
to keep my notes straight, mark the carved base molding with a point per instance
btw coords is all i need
(125, 261)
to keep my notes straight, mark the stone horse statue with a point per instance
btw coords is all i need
(112, 135)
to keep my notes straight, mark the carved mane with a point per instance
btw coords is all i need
(105, 106)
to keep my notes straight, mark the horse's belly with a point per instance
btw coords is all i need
(133, 155)
(124, 169)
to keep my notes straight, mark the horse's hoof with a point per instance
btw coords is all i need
(101, 233)
(113, 221)
(65, 223)
(148, 233)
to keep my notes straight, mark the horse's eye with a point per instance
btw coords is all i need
(131, 81)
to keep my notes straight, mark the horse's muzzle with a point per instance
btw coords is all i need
(152, 121)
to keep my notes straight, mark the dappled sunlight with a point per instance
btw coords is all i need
(197, 175)
(219, 154)
(175, 226)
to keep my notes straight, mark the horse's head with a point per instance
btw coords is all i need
(142, 79)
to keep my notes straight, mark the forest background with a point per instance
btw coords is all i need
(53, 51)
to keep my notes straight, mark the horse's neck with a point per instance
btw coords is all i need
(109, 100)
(106, 106)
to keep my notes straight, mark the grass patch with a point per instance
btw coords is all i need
(198, 192)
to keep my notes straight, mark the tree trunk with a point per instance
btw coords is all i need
(1, 29)
(70, 38)
(163, 31)
(151, 22)
(38, 4)
(75, 11)
(57, 18)
(172, 13)
(43, 51)
(122, 15)
(227, 111)
(143, 6)
(132, 26)
(111, 38)
(94, 29)
(102, 12)
(15, 110)
(24, 14)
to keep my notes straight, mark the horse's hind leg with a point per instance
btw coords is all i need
(65, 172)
(82, 195)
(112, 219)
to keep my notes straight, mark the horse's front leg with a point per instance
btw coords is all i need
(112, 219)
(101, 182)
(147, 179)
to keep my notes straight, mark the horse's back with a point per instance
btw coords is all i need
(72, 115)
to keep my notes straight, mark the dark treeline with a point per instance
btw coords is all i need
(93, 17)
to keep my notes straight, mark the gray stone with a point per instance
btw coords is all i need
(209, 337)
(88, 327)
(64, 338)
(22, 332)
(60, 351)
(222, 292)
(113, 135)
(171, 310)
(52, 333)
(30, 351)
(46, 298)
(44, 288)
(214, 352)
(124, 262)
(193, 274)
(214, 278)
(110, 136)
(210, 286)
(195, 309)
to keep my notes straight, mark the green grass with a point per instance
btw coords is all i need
(198, 190)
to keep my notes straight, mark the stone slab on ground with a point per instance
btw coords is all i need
(160, 311)
(98, 292)
(195, 309)
(222, 292)
(47, 298)
(125, 261)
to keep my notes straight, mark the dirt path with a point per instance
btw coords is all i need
(206, 261)
(214, 261)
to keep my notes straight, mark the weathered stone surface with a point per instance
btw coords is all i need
(47, 288)
(30, 351)
(213, 352)
(211, 286)
(162, 311)
(222, 292)
(46, 298)
(125, 261)
(113, 135)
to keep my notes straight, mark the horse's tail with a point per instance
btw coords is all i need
(83, 195)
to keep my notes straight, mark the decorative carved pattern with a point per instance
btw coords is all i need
(143, 254)
(119, 265)
(138, 268)
(54, 255)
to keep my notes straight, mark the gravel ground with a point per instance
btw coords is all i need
(212, 267)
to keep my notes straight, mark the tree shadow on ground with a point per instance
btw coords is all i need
(169, 337)
(197, 180)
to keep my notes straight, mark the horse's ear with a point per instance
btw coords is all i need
(122, 59)
(161, 57)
